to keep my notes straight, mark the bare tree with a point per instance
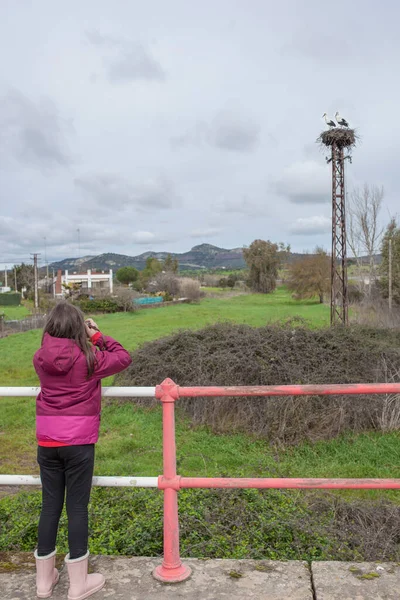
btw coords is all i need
(364, 231)
(310, 276)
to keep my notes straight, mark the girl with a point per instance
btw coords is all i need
(72, 360)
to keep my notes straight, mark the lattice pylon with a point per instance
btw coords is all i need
(339, 297)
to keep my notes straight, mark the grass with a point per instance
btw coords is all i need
(215, 290)
(131, 444)
(131, 439)
(133, 329)
(14, 312)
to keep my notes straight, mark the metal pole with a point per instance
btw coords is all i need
(339, 295)
(145, 482)
(333, 255)
(35, 270)
(390, 276)
(15, 279)
(345, 300)
(5, 276)
(172, 570)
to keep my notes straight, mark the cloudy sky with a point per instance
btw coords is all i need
(160, 125)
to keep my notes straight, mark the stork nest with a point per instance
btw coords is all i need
(341, 136)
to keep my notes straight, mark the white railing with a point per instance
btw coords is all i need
(115, 481)
(114, 392)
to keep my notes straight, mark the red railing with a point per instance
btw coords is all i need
(172, 569)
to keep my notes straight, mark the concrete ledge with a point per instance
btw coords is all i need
(131, 579)
(356, 581)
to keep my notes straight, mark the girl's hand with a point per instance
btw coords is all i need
(91, 327)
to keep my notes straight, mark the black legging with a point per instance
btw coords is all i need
(66, 468)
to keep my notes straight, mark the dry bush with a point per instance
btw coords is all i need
(190, 289)
(125, 297)
(228, 354)
(165, 282)
(211, 280)
(366, 531)
(376, 314)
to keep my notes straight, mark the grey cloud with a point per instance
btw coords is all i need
(304, 182)
(231, 132)
(241, 206)
(226, 131)
(126, 60)
(311, 225)
(113, 191)
(205, 233)
(193, 137)
(319, 46)
(61, 236)
(34, 133)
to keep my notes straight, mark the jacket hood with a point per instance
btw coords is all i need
(57, 355)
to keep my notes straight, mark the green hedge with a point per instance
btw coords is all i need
(10, 299)
(102, 305)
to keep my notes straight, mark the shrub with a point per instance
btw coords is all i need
(239, 524)
(10, 299)
(125, 296)
(105, 304)
(190, 289)
(210, 280)
(228, 354)
(165, 282)
(355, 295)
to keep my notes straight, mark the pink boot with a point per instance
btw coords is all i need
(82, 585)
(46, 574)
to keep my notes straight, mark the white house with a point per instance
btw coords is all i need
(88, 281)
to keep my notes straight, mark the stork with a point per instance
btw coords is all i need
(328, 121)
(340, 120)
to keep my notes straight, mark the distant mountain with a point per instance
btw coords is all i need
(203, 256)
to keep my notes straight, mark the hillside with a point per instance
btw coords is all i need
(203, 256)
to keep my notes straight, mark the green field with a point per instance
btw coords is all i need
(14, 312)
(132, 330)
(130, 440)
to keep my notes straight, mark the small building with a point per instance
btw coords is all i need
(88, 282)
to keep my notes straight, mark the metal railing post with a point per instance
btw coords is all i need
(172, 570)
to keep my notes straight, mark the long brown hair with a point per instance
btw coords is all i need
(67, 321)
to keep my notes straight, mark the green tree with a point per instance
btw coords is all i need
(392, 233)
(127, 275)
(170, 264)
(152, 268)
(25, 277)
(310, 276)
(263, 260)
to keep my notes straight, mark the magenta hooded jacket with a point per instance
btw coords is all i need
(68, 406)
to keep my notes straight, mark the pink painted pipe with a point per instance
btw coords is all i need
(177, 483)
(172, 570)
(291, 390)
(290, 483)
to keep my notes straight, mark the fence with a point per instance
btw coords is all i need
(172, 569)
(33, 322)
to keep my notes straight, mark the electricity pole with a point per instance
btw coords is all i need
(390, 276)
(79, 242)
(45, 258)
(35, 270)
(5, 275)
(15, 279)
